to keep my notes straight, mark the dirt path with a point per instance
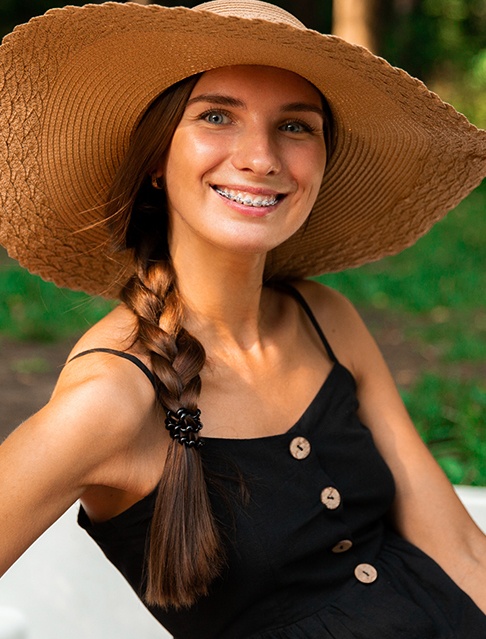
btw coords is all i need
(28, 371)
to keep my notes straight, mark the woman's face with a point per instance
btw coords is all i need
(246, 162)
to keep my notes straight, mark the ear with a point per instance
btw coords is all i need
(157, 181)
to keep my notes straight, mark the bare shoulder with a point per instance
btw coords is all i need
(110, 388)
(340, 321)
(100, 416)
(99, 425)
(326, 301)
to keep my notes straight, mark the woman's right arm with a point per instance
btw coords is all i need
(85, 436)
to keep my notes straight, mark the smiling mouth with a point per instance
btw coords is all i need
(249, 199)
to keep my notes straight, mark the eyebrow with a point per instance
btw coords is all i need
(217, 98)
(226, 100)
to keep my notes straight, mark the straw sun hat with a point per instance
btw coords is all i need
(75, 82)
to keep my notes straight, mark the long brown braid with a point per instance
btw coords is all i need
(184, 553)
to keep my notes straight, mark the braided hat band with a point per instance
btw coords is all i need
(75, 82)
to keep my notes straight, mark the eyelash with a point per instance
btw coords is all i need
(307, 128)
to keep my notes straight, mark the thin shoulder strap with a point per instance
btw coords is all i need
(128, 356)
(307, 309)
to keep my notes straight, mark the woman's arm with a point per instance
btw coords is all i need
(89, 434)
(427, 510)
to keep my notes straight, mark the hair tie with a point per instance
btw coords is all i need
(184, 426)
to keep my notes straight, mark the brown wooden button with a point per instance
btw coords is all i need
(342, 546)
(300, 448)
(366, 573)
(330, 497)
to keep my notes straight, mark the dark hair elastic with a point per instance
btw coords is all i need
(184, 426)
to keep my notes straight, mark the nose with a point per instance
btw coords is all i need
(256, 151)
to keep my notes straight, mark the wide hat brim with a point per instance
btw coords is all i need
(75, 82)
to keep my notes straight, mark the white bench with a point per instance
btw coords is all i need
(63, 587)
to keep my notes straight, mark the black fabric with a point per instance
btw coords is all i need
(282, 580)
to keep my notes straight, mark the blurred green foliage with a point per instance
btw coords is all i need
(449, 415)
(445, 268)
(443, 42)
(32, 309)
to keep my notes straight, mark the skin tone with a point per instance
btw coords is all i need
(235, 142)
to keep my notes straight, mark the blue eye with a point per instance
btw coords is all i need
(295, 126)
(216, 117)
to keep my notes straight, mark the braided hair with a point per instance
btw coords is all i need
(184, 553)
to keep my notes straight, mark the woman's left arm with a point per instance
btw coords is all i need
(427, 511)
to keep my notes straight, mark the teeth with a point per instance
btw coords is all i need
(245, 198)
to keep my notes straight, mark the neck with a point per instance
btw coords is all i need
(222, 295)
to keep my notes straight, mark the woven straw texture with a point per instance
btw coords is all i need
(75, 82)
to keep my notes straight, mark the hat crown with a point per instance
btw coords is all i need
(251, 10)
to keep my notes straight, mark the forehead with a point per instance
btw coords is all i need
(253, 79)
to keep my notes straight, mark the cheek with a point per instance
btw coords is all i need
(175, 161)
(190, 157)
(311, 173)
(308, 161)
(205, 149)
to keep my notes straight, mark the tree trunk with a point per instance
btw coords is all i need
(356, 22)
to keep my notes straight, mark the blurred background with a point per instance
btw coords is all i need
(426, 306)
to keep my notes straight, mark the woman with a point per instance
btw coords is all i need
(201, 192)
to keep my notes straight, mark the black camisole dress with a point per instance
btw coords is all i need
(310, 553)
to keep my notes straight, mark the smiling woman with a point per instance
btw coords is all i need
(198, 164)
